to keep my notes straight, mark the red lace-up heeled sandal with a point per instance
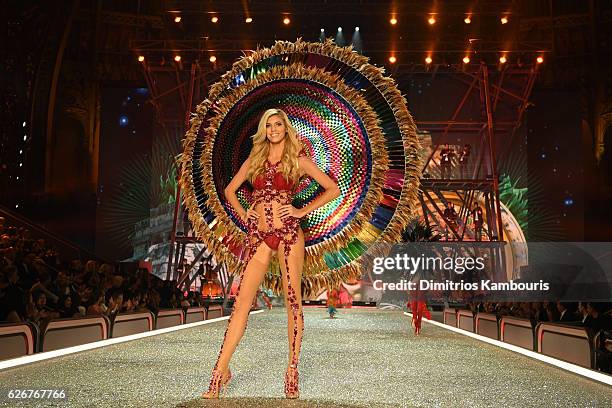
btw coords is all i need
(218, 383)
(292, 390)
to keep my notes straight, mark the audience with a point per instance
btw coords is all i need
(595, 317)
(36, 286)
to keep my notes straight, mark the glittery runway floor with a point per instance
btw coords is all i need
(364, 358)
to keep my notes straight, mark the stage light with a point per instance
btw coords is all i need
(177, 58)
(502, 59)
(177, 19)
(25, 137)
(141, 58)
(432, 20)
(322, 30)
(212, 58)
(392, 59)
(504, 20)
(356, 28)
(248, 20)
(23, 124)
(393, 21)
(339, 29)
(540, 59)
(20, 151)
(428, 60)
(214, 19)
(467, 20)
(286, 21)
(466, 60)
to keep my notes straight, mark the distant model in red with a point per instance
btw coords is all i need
(419, 309)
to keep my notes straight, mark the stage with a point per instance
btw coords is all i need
(363, 358)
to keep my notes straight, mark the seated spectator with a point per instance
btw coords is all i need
(115, 302)
(43, 284)
(141, 304)
(524, 310)
(551, 311)
(86, 295)
(39, 312)
(599, 320)
(583, 313)
(66, 308)
(154, 300)
(12, 297)
(539, 313)
(62, 285)
(117, 281)
(98, 307)
(567, 312)
(131, 302)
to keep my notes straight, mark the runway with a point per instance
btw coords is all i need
(364, 358)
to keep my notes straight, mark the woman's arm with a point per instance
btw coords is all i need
(234, 185)
(331, 190)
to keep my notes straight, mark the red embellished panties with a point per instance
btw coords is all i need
(272, 241)
(273, 237)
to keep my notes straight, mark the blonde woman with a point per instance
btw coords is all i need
(273, 168)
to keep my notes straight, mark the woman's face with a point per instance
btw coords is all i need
(275, 129)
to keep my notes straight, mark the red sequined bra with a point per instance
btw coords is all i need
(279, 182)
(270, 186)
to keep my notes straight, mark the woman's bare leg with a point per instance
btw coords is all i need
(251, 279)
(292, 285)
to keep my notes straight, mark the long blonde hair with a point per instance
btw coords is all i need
(261, 148)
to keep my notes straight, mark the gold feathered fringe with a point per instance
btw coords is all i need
(316, 274)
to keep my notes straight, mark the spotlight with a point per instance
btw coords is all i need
(141, 58)
(432, 20)
(212, 58)
(286, 21)
(214, 19)
(23, 124)
(428, 60)
(392, 59)
(467, 20)
(393, 21)
(339, 29)
(466, 60)
(540, 59)
(504, 20)
(177, 19)
(322, 30)
(356, 28)
(248, 20)
(502, 59)
(25, 137)
(177, 58)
